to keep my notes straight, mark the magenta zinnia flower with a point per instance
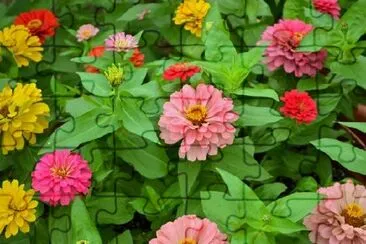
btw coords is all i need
(328, 7)
(189, 229)
(283, 39)
(60, 176)
(121, 42)
(201, 117)
(340, 217)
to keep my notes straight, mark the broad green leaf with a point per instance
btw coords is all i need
(96, 84)
(256, 116)
(83, 227)
(146, 157)
(257, 236)
(59, 225)
(324, 170)
(99, 121)
(355, 70)
(236, 7)
(154, 10)
(319, 20)
(187, 176)
(354, 18)
(361, 126)
(124, 238)
(116, 208)
(328, 102)
(310, 85)
(295, 206)
(216, 38)
(133, 79)
(258, 92)
(81, 105)
(350, 157)
(307, 183)
(269, 192)
(135, 120)
(294, 9)
(249, 59)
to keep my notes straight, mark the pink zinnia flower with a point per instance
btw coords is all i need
(299, 106)
(189, 229)
(60, 176)
(121, 42)
(283, 39)
(201, 117)
(340, 217)
(85, 32)
(328, 7)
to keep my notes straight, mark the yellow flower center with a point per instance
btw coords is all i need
(196, 114)
(188, 241)
(86, 33)
(34, 24)
(298, 36)
(120, 43)
(61, 172)
(354, 215)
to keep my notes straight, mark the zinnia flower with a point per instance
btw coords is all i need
(328, 7)
(17, 209)
(191, 13)
(183, 71)
(137, 58)
(22, 44)
(340, 217)
(299, 106)
(97, 52)
(114, 74)
(85, 32)
(283, 39)
(201, 117)
(22, 116)
(121, 42)
(40, 22)
(60, 176)
(189, 229)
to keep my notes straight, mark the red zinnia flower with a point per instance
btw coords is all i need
(40, 22)
(97, 51)
(137, 58)
(299, 106)
(180, 70)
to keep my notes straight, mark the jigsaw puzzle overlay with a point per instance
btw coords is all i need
(183, 121)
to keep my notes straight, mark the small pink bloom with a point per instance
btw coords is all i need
(328, 7)
(201, 118)
(121, 42)
(85, 32)
(340, 217)
(282, 40)
(189, 229)
(60, 176)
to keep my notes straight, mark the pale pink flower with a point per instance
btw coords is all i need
(328, 7)
(282, 40)
(340, 217)
(121, 42)
(202, 118)
(60, 176)
(189, 229)
(85, 32)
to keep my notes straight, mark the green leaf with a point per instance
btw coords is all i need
(187, 176)
(155, 10)
(355, 70)
(96, 84)
(258, 92)
(146, 157)
(307, 183)
(79, 106)
(124, 238)
(218, 46)
(295, 206)
(115, 208)
(133, 79)
(99, 121)
(361, 126)
(59, 225)
(350, 157)
(257, 236)
(135, 120)
(256, 116)
(270, 192)
(294, 9)
(354, 19)
(82, 226)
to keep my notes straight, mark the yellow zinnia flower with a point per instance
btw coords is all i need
(22, 44)
(22, 115)
(191, 14)
(17, 208)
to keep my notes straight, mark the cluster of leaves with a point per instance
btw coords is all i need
(257, 190)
